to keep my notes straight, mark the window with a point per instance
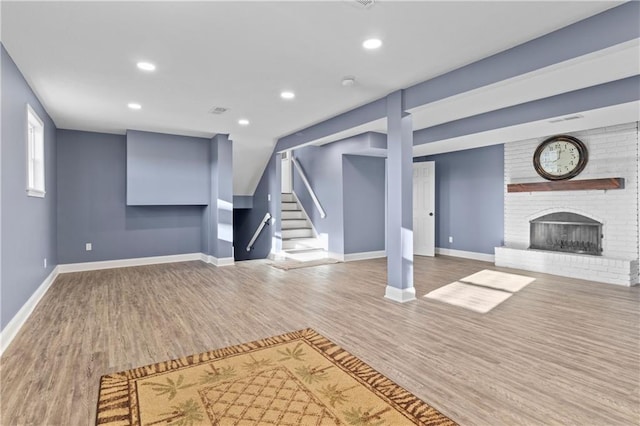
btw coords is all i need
(35, 154)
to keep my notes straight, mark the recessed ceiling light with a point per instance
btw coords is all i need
(146, 66)
(134, 105)
(243, 122)
(372, 43)
(287, 95)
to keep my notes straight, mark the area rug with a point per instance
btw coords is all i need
(296, 264)
(499, 280)
(475, 298)
(298, 378)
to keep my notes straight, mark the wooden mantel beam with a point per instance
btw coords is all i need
(567, 185)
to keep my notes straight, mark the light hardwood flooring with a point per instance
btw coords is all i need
(560, 351)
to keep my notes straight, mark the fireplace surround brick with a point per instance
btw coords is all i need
(613, 152)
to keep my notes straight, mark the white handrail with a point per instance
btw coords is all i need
(265, 221)
(306, 183)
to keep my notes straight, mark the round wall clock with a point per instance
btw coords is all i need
(560, 157)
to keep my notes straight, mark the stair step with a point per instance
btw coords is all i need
(290, 205)
(305, 254)
(297, 233)
(287, 197)
(292, 214)
(295, 223)
(301, 243)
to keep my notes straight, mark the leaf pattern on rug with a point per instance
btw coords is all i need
(311, 375)
(184, 414)
(335, 395)
(171, 388)
(295, 355)
(217, 374)
(356, 417)
(257, 364)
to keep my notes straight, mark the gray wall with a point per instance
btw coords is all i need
(323, 166)
(246, 220)
(28, 223)
(217, 227)
(167, 169)
(363, 197)
(470, 198)
(92, 206)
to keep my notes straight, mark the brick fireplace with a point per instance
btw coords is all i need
(538, 233)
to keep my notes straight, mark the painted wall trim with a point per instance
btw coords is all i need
(123, 263)
(223, 261)
(336, 256)
(351, 257)
(466, 254)
(20, 318)
(400, 295)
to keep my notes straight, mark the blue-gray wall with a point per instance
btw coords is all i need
(246, 221)
(167, 169)
(92, 206)
(470, 198)
(217, 226)
(28, 223)
(363, 194)
(323, 168)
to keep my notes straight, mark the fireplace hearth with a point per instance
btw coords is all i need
(566, 232)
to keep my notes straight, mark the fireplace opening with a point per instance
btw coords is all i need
(566, 232)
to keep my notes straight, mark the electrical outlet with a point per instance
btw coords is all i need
(45, 262)
(88, 247)
(450, 239)
(268, 197)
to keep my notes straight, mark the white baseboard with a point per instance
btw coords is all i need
(400, 295)
(223, 261)
(466, 254)
(350, 257)
(11, 329)
(336, 256)
(123, 263)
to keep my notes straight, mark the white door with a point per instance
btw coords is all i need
(424, 197)
(286, 173)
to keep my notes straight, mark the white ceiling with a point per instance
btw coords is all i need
(79, 57)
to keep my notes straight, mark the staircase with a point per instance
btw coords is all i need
(298, 238)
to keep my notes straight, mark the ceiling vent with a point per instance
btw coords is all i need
(361, 4)
(218, 110)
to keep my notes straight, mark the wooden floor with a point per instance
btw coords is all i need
(561, 351)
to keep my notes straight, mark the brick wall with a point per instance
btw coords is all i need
(613, 152)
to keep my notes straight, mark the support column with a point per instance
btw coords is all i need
(400, 201)
(220, 235)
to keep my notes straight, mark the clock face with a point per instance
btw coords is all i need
(560, 157)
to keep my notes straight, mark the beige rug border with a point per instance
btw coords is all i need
(116, 399)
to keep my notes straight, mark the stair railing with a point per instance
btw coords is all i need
(265, 221)
(308, 186)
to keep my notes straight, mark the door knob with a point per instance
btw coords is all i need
(430, 213)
